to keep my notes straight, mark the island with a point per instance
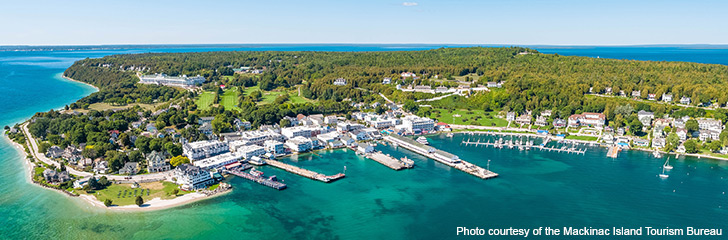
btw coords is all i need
(165, 129)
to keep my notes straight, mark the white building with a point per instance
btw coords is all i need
(299, 144)
(163, 79)
(414, 123)
(204, 149)
(156, 162)
(340, 82)
(667, 97)
(219, 160)
(274, 147)
(251, 151)
(645, 117)
(685, 100)
(511, 116)
(293, 132)
(364, 148)
(710, 124)
(191, 177)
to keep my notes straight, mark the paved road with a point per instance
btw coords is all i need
(33, 144)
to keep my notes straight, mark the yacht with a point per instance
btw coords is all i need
(667, 165)
(422, 140)
(663, 175)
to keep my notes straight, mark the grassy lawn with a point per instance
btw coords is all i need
(469, 117)
(584, 138)
(123, 194)
(229, 99)
(205, 100)
(270, 96)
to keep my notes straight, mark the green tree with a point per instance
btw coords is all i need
(43, 147)
(175, 191)
(173, 149)
(108, 202)
(691, 146)
(691, 125)
(285, 122)
(672, 142)
(715, 146)
(139, 201)
(178, 160)
(411, 106)
(635, 126)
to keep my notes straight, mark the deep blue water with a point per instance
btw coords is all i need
(373, 202)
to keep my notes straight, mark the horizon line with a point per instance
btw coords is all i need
(428, 44)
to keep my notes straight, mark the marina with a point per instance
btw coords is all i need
(304, 172)
(523, 145)
(389, 161)
(440, 156)
(258, 177)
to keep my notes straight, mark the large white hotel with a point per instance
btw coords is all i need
(163, 79)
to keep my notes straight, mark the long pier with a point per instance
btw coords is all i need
(526, 146)
(389, 161)
(613, 152)
(304, 172)
(441, 156)
(260, 180)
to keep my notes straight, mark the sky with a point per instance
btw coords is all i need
(517, 22)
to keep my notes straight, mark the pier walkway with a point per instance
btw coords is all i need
(389, 161)
(260, 180)
(440, 156)
(526, 146)
(304, 172)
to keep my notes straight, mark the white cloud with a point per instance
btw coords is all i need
(409, 4)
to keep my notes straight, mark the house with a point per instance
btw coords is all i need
(636, 94)
(346, 140)
(408, 74)
(205, 128)
(680, 122)
(151, 128)
(101, 167)
(706, 135)
(574, 120)
(156, 162)
(191, 177)
(682, 133)
(710, 124)
(299, 144)
(661, 122)
(524, 119)
(358, 135)
(511, 116)
(621, 131)
(667, 97)
(641, 142)
(441, 126)
(331, 120)
(441, 90)
(52, 176)
(559, 123)
(386, 80)
(241, 125)
(364, 148)
(608, 90)
(645, 117)
(658, 142)
(340, 82)
(541, 121)
(81, 182)
(130, 168)
(546, 113)
(587, 119)
(204, 120)
(651, 97)
(84, 162)
(54, 152)
(622, 93)
(657, 131)
(685, 100)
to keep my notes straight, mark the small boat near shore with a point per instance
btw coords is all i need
(663, 175)
(667, 165)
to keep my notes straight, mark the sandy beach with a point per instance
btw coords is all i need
(73, 80)
(151, 205)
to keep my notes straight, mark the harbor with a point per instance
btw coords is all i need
(440, 156)
(304, 172)
(389, 161)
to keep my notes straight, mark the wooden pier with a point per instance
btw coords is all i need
(613, 152)
(389, 161)
(441, 156)
(304, 172)
(260, 180)
(525, 146)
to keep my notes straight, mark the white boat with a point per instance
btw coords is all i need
(422, 140)
(449, 135)
(667, 165)
(663, 175)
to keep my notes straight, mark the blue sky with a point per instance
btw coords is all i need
(522, 22)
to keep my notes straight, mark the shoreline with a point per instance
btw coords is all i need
(74, 80)
(150, 205)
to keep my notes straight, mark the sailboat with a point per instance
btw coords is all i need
(663, 175)
(667, 165)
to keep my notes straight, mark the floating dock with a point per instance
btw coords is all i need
(440, 156)
(389, 161)
(258, 179)
(304, 172)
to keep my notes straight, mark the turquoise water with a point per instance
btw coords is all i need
(373, 202)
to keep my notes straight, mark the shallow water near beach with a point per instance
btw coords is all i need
(430, 201)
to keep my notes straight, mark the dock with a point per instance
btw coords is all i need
(522, 146)
(443, 157)
(389, 161)
(304, 172)
(613, 152)
(260, 180)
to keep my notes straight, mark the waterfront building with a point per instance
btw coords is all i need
(359, 135)
(346, 140)
(418, 124)
(328, 137)
(219, 161)
(204, 149)
(156, 162)
(641, 142)
(541, 121)
(81, 182)
(658, 142)
(274, 147)
(559, 123)
(511, 116)
(191, 177)
(587, 119)
(250, 151)
(524, 119)
(163, 79)
(364, 148)
(51, 176)
(299, 144)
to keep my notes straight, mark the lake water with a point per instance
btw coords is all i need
(373, 202)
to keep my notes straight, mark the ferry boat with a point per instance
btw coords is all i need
(667, 165)
(422, 140)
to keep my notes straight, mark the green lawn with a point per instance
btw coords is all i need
(229, 99)
(584, 138)
(205, 100)
(468, 117)
(123, 194)
(270, 96)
